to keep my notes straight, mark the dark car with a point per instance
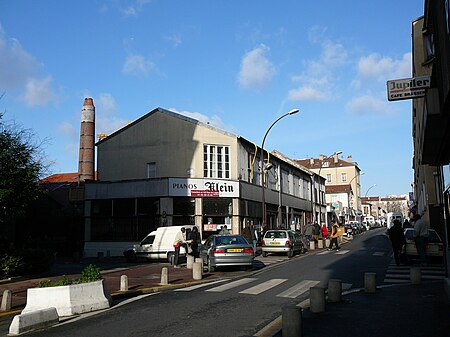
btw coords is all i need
(226, 250)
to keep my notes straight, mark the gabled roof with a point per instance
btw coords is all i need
(169, 113)
(71, 177)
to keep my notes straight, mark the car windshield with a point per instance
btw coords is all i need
(432, 235)
(229, 240)
(276, 235)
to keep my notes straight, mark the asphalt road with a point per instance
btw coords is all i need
(237, 307)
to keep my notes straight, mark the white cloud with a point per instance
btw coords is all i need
(106, 117)
(38, 92)
(256, 69)
(368, 104)
(137, 65)
(215, 120)
(68, 130)
(134, 8)
(384, 68)
(175, 39)
(307, 93)
(317, 78)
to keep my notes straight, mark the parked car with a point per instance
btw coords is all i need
(434, 247)
(157, 245)
(281, 241)
(226, 250)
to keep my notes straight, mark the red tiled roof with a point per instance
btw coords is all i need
(61, 178)
(318, 163)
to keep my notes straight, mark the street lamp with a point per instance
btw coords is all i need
(369, 189)
(320, 203)
(350, 183)
(267, 166)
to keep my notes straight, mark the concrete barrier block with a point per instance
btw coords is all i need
(292, 325)
(33, 320)
(197, 271)
(317, 299)
(320, 244)
(6, 300)
(334, 290)
(164, 276)
(415, 275)
(312, 245)
(190, 261)
(370, 282)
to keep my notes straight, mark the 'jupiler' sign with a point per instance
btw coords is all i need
(203, 188)
(408, 88)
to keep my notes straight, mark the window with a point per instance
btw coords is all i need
(344, 177)
(328, 178)
(216, 161)
(151, 170)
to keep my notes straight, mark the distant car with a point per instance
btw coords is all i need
(226, 250)
(281, 241)
(434, 247)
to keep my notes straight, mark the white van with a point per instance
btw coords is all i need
(157, 245)
(370, 221)
(391, 216)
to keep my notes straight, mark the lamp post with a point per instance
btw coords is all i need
(267, 166)
(318, 197)
(369, 190)
(350, 183)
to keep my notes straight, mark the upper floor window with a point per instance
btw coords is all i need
(344, 177)
(328, 178)
(151, 170)
(216, 161)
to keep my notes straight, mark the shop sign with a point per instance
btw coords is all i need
(212, 188)
(408, 88)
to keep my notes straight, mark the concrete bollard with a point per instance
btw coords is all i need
(199, 260)
(327, 242)
(292, 325)
(370, 282)
(189, 261)
(197, 272)
(124, 283)
(334, 290)
(6, 300)
(415, 275)
(164, 276)
(312, 245)
(320, 244)
(317, 299)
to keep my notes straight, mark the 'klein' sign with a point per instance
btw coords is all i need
(408, 88)
(207, 188)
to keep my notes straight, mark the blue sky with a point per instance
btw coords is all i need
(236, 64)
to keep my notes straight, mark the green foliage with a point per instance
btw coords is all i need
(21, 165)
(89, 274)
(9, 265)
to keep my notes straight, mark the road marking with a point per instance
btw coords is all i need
(258, 289)
(298, 289)
(378, 254)
(201, 285)
(231, 285)
(342, 252)
(324, 252)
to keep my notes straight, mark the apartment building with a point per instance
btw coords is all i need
(167, 169)
(342, 184)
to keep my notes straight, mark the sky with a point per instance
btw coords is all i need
(238, 65)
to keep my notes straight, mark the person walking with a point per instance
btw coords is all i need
(180, 241)
(308, 232)
(194, 237)
(224, 230)
(316, 232)
(334, 237)
(397, 240)
(254, 236)
(420, 238)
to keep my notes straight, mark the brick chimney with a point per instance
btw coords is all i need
(349, 159)
(311, 161)
(87, 139)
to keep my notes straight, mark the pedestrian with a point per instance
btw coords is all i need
(324, 231)
(420, 238)
(180, 241)
(316, 232)
(406, 224)
(334, 237)
(224, 230)
(254, 236)
(194, 238)
(397, 240)
(308, 231)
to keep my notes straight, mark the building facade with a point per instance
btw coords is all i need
(431, 119)
(166, 169)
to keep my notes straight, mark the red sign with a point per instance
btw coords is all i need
(204, 193)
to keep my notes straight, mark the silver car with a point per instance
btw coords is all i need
(226, 250)
(281, 241)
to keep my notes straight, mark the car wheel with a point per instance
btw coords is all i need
(264, 254)
(131, 257)
(211, 268)
(290, 253)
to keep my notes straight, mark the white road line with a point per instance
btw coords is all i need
(378, 254)
(324, 252)
(298, 289)
(231, 285)
(258, 289)
(201, 285)
(342, 252)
